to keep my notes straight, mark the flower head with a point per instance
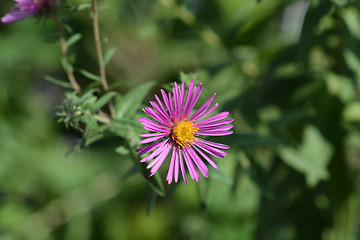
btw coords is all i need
(175, 129)
(26, 8)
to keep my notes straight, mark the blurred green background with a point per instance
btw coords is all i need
(287, 71)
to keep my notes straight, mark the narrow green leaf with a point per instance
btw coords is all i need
(155, 181)
(151, 199)
(132, 171)
(122, 150)
(81, 7)
(66, 65)
(103, 101)
(126, 106)
(90, 75)
(108, 55)
(73, 39)
(58, 82)
(118, 84)
(93, 138)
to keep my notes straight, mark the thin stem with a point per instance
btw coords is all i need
(64, 51)
(99, 53)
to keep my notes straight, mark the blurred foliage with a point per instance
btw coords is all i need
(288, 72)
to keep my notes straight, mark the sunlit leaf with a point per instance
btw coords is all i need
(126, 106)
(73, 39)
(58, 82)
(108, 55)
(311, 158)
(90, 75)
(103, 101)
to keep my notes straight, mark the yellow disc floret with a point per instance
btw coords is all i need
(183, 133)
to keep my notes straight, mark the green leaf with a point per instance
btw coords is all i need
(93, 138)
(353, 62)
(352, 112)
(66, 65)
(103, 101)
(108, 55)
(73, 39)
(351, 17)
(126, 106)
(90, 75)
(81, 7)
(118, 84)
(187, 77)
(90, 121)
(311, 158)
(155, 181)
(341, 86)
(151, 199)
(122, 150)
(58, 82)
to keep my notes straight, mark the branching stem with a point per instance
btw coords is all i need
(64, 51)
(99, 53)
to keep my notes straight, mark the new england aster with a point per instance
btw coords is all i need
(175, 129)
(26, 8)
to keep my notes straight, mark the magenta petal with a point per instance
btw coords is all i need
(216, 129)
(218, 145)
(163, 114)
(11, 17)
(152, 139)
(176, 102)
(156, 116)
(196, 98)
(152, 134)
(212, 149)
(160, 160)
(25, 8)
(191, 167)
(203, 108)
(148, 122)
(182, 95)
(147, 149)
(188, 97)
(217, 117)
(205, 113)
(170, 174)
(165, 151)
(171, 104)
(160, 104)
(199, 163)
(155, 153)
(176, 166)
(182, 165)
(209, 133)
(209, 160)
(215, 124)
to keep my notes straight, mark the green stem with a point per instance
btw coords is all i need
(100, 54)
(64, 51)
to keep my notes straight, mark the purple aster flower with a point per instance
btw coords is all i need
(26, 8)
(175, 129)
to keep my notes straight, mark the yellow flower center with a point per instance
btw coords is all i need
(183, 133)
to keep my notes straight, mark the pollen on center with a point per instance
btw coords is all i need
(183, 133)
